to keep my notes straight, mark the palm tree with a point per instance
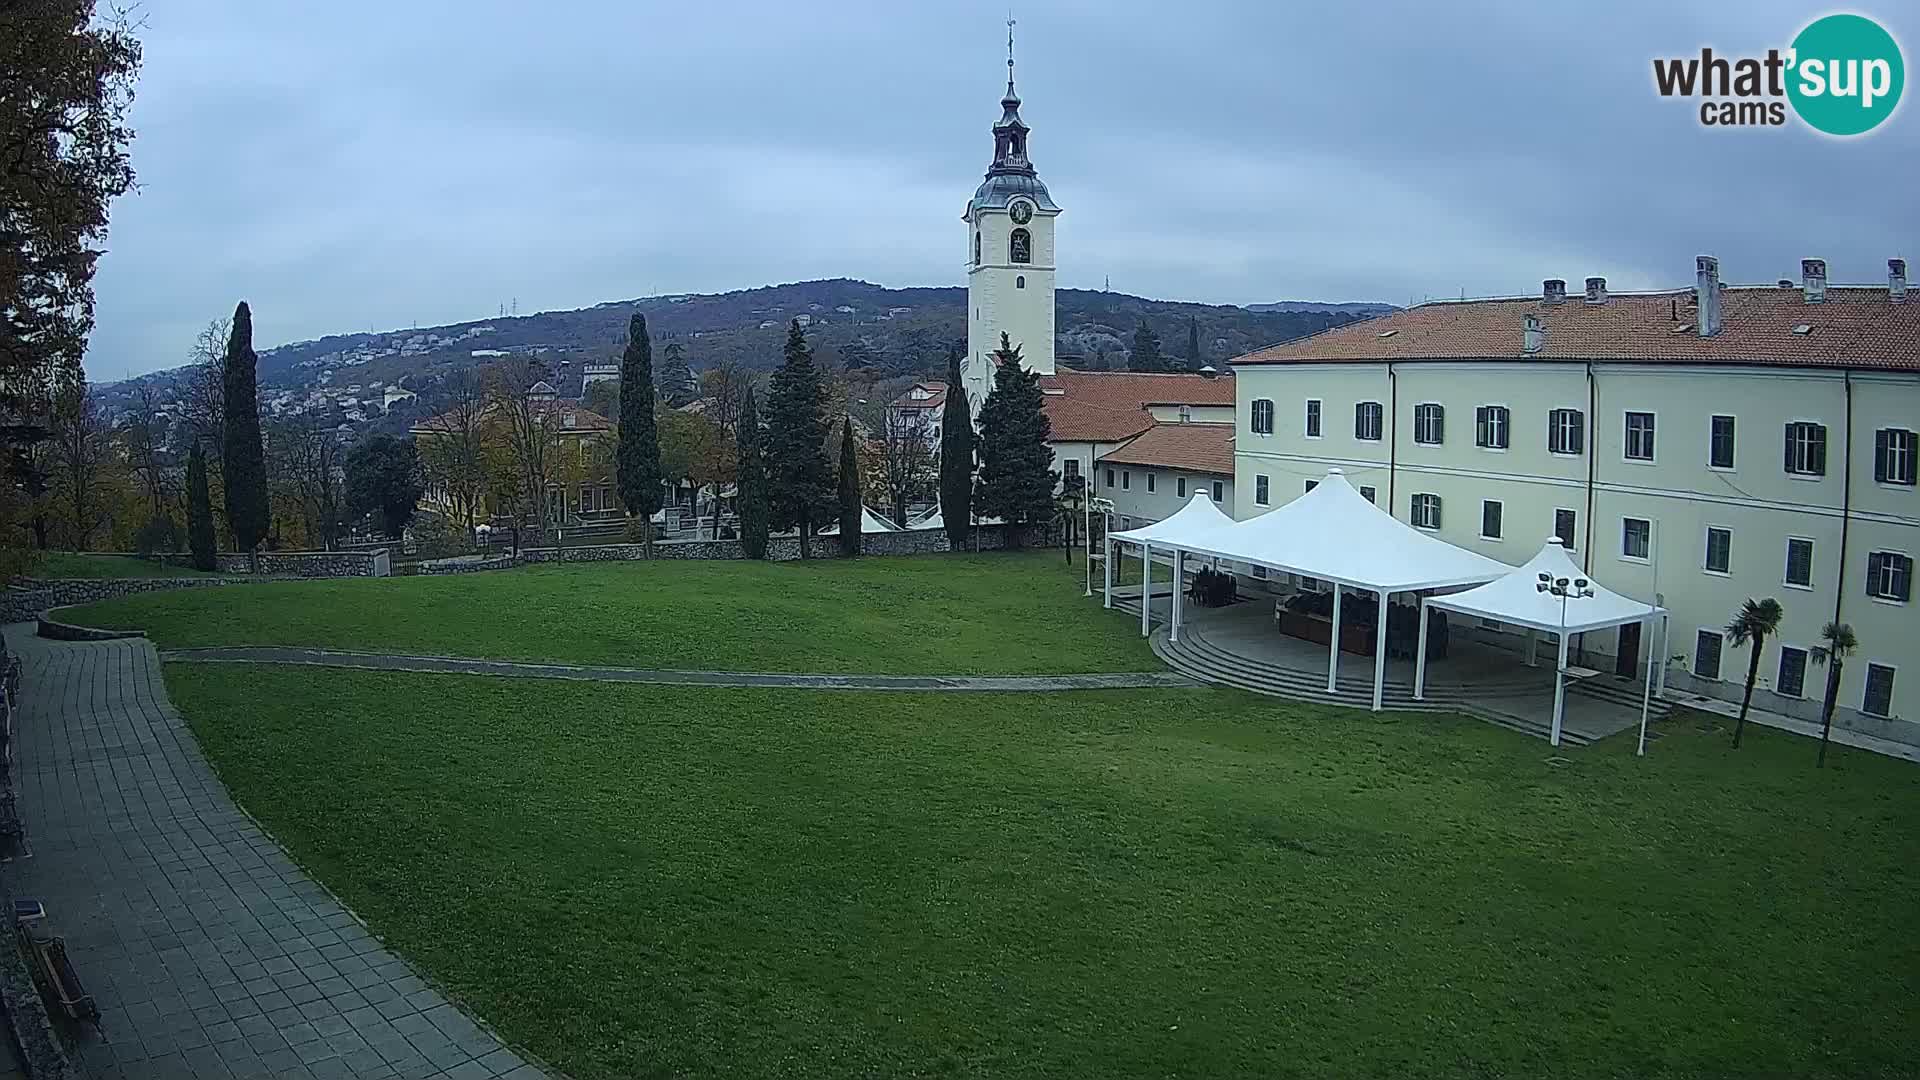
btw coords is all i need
(1757, 621)
(1840, 644)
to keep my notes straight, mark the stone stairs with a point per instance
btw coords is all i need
(1623, 692)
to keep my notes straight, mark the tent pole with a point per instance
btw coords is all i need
(1146, 588)
(1333, 649)
(1646, 694)
(1559, 690)
(1106, 572)
(1666, 650)
(1420, 658)
(1380, 652)
(1179, 569)
(1533, 640)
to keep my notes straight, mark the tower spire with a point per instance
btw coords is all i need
(1010, 134)
(1010, 56)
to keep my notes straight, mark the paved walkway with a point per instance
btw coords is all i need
(209, 953)
(455, 665)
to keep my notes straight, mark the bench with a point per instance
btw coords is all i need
(46, 952)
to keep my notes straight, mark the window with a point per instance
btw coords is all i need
(1186, 414)
(606, 497)
(1720, 443)
(1149, 483)
(1807, 449)
(1490, 427)
(1126, 479)
(1719, 549)
(1566, 432)
(1366, 421)
(1490, 514)
(976, 249)
(1426, 511)
(1889, 576)
(1878, 700)
(1262, 416)
(1429, 424)
(1792, 681)
(1179, 487)
(1070, 470)
(1020, 281)
(1639, 444)
(1257, 572)
(586, 499)
(1109, 479)
(1563, 522)
(1800, 562)
(1219, 491)
(1313, 419)
(1260, 491)
(1706, 655)
(1311, 484)
(1893, 456)
(1020, 246)
(1368, 493)
(1636, 536)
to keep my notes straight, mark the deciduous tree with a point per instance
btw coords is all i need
(80, 437)
(1016, 483)
(454, 456)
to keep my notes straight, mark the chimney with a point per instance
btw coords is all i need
(1813, 279)
(1533, 336)
(1553, 291)
(1706, 295)
(1596, 290)
(1896, 280)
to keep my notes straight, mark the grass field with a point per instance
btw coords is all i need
(79, 564)
(634, 881)
(962, 614)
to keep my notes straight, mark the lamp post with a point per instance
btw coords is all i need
(1577, 588)
(1103, 507)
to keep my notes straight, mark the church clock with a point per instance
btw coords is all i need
(1022, 211)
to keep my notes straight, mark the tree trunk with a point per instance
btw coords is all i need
(1746, 700)
(646, 534)
(806, 527)
(1826, 710)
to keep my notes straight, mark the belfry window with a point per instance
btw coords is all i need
(1021, 246)
(976, 249)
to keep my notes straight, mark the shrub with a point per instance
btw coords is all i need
(158, 538)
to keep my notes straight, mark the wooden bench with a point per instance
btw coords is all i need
(46, 952)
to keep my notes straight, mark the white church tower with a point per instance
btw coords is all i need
(1010, 255)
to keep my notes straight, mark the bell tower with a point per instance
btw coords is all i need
(1009, 254)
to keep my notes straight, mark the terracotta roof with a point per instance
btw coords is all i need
(1108, 406)
(1204, 448)
(584, 420)
(1856, 326)
(937, 396)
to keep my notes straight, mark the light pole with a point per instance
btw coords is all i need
(1566, 589)
(1103, 507)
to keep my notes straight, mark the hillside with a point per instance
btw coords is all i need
(889, 331)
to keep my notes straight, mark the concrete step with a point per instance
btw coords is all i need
(1357, 674)
(1618, 691)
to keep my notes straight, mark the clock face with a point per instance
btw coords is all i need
(1022, 212)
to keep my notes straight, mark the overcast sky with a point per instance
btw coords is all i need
(352, 166)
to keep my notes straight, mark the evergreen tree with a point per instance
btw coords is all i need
(677, 385)
(850, 505)
(245, 458)
(384, 479)
(199, 510)
(799, 475)
(1146, 350)
(750, 478)
(1194, 362)
(1015, 482)
(956, 456)
(637, 461)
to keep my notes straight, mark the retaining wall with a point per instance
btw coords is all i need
(308, 564)
(26, 603)
(779, 549)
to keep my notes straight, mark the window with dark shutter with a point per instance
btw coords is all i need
(1262, 416)
(1563, 522)
(1490, 513)
(1566, 431)
(1889, 576)
(1878, 700)
(1893, 456)
(1806, 449)
(1720, 443)
(1706, 655)
(1799, 562)
(1180, 487)
(1793, 672)
(1490, 427)
(1429, 424)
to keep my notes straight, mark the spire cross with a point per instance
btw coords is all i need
(1009, 48)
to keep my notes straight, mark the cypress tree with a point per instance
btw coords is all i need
(850, 506)
(800, 477)
(637, 462)
(1016, 483)
(1194, 363)
(956, 457)
(1146, 350)
(750, 478)
(677, 384)
(199, 510)
(245, 458)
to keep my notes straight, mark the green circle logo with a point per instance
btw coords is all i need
(1846, 75)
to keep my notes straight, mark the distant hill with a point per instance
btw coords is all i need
(1357, 310)
(888, 332)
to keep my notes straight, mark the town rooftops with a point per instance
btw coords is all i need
(933, 396)
(1789, 324)
(568, 417)
(1108, 406)
(1206, 448)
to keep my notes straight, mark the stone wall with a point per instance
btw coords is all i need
(308, 564)
(25, 603)
(779, 549)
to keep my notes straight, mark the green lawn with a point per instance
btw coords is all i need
(962, 614)
(635, 881)
(78, 564)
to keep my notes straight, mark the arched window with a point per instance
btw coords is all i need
(1262, 416)
(1021, 246)
(976, 249)
(1020, 282)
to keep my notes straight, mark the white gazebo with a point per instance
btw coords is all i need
(1332, 533)
(1552, 595)
(870, 522)
(1191, 523)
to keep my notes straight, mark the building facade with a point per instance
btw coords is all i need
(1704, 447)
(1157, 473)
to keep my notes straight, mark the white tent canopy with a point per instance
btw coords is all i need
(1526, 596)
(870, 522)
(1192, 524)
